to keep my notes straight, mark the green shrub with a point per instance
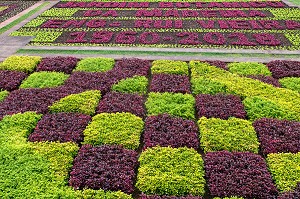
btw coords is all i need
(3, 95)
(231, 135)
(114, 128)
(171, 171)
(176, 104)
(249, 68)
(98, 64)
(206, 86)
(100, 194)
(170, 67)
(85, 102)
(20, 63)
(136, 84)
(285, 170)
(44, 79)
(292, 83)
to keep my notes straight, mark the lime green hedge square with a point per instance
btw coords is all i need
(21, 63)
(98, 64)
(3, 95)
(170, 67)
(170, 171)
(136, 84)
(249, 68)
(202, 85)
(292, 83)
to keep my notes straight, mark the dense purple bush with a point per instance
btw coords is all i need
(219, 64)
(284, 68)
(266, 79)
(278, 135)
(165, 130)
(58, 64)
(129, 67)
(120, 102)
(242, 174)
(219, 106)
(104, 167)
(292, 194)
(143, 196)
(63, 127)
(10, 80)
(170, 83)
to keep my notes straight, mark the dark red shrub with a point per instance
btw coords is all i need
(278, 135)
(170, 83)
(284, 68)
(143, 196)
(266, 79)
(10, 80)
(104, 167)
(129, 67)
(58, 64)
(242, 174)
(63, 127)
(219, 64)
(219, 106)
(165, 130)
(292, 194)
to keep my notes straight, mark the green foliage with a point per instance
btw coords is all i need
(20, 63)
(98, 64)
(44, 36)
(60, 12)
(206, 86)
(100, 194)
(285, 170)
(85, 102)
(176, 104)
(285, 13)
(44, 79)
(114, 128)
(169, 171)
(292, 83)
(170, 67)
(294, 38)
(3, 95)
(231, 135)
(249, 68)
(136, 84)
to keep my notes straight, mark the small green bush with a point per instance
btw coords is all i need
(114, 128)
(171, 171)
(98, 64)
(231, 135)
(44, 79)
(249, 68)
(21, 63)
(292, 83)
(206, 86)
(170, 67)
(85, 102)
(285, 170)
(136, 84)
(176, 104)
(3, 95)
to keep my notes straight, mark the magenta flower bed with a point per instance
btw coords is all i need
(284, 68)
(170, 83)
(266, 79)
(168, 197)
(58, 64)
(10, 80)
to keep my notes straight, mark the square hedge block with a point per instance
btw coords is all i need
(284, 68)
(241, 174)
(170, 83)
(95, 64)
(25, 64)
(110, 168)
(170, 67)
(10, 80)
(58, 64)
(292, 83)
(249, 68)
(169, 171)
(232, 135)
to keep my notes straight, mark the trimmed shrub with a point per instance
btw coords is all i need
(114, 128)
(25, 64)
(133, 85)
(165, 130)
(219, 64)
(176, 104)
(160, 167)
(232, 135)
(220, 106)
(170, 83)
(120, 102)
(3, 95)
(58, 64)
(104, 167)
(241, 174)
(292, 83)
(44, 79)
(97, 64)
(143, 196)
(292, 194)
(207, 86)
(284, 168)
(85, 102)
(131, 67)
(284, 68)
(249, 68)
(170, 67)
(10, 80)
(266, 79)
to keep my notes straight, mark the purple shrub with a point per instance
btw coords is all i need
(219, 106)
(266, 79)
(121, 102)
(292, 194)
(130, 67)
(63, 127)
(170, 83)
(104, 167)
(284, 68)
(10, 80)
(143, 196)
(242, 174)
(219, 64)
(278, 135)
(165, 130)
(58, 64)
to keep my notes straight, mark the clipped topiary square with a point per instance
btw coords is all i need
(232, 135)
(104, 167)
(201, 85)
(170, 67)
(131, 67)
(143, 196)
(97, 64)
(170, 83)
(44, 79)
(168, 171)
(114, 128)
(25, 64)
(292, 83)
(249, 68)
(176, 104)
(133, 85)
(284, 68)
(62, 127)
(220, 106)
(165, 130)
(241, 174)
(10, 80)
(266, 79)
(58, 64)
